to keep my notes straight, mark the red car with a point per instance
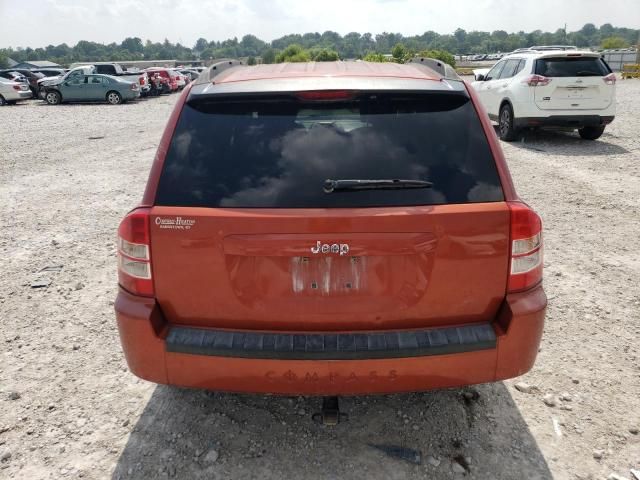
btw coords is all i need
(169, 80)
(330, 229)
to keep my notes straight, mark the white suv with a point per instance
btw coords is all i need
(562, 89)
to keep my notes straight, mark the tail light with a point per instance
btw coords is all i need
(535, 80)
(17, 87)
(525, 266)
(610, 79)
(326, 95)
(134, 253)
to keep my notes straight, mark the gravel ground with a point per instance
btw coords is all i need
(69, 408)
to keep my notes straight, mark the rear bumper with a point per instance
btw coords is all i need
(159, 353)
(564, 121)
(13, 95)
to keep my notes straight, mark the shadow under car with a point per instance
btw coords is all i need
(258, 436)
(556, 142)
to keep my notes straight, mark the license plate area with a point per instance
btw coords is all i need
(575, 93)
(322, 284)
(329, 275)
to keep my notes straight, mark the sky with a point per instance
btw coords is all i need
(37, 23)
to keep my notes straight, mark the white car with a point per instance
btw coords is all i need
(11, 92)
(179, 78)
(480, 71)
(558, 89)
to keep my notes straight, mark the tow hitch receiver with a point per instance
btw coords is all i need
(330, 413)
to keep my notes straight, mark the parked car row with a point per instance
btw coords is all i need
(500, 55)
(482, 56)
(97, 82)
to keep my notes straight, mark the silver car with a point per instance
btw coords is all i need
(91, 88)
(11, 92)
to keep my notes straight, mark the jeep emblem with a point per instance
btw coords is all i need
(341, 248)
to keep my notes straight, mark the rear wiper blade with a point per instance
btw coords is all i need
(375, 184)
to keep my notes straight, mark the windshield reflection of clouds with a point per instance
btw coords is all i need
(281, 161)
(324, 152)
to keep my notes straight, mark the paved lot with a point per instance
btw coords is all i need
(69, 408)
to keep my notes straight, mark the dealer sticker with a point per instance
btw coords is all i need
(175, 223)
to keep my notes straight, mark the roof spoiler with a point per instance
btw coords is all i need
(217, 68)
(441, 68)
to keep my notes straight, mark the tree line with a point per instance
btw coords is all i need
(327, 45)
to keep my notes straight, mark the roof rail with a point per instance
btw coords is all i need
(545, 48)
(217, 68)
(554, 47)
(438, 66)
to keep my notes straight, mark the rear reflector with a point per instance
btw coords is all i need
(326, 95)
(134, 257)
(526, 245)
(535, 80)
(525, 263)
(525, 270)
(134, 268)
(133, 250)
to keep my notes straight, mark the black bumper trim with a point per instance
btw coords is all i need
(331, 346)
(566, 121)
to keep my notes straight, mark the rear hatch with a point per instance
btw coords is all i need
(245, 233)
(577, 83)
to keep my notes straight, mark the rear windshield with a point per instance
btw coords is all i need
(278, 152)
(105, 69)
(572, 67)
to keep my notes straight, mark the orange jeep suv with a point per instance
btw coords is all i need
(329, 229)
